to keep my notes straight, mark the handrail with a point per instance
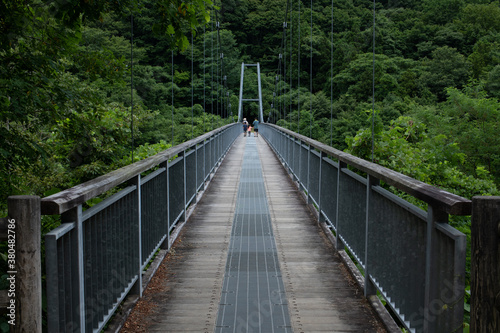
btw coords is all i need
(410, 256)
(105, 249)
(438, 198)
(63, 201)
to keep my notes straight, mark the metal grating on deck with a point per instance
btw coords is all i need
(253, 295)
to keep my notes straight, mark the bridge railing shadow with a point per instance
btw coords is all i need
(412, 257)
(97, 256)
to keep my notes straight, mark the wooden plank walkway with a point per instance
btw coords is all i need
(185, 294)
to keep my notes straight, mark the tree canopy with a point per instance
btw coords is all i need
(86, 84)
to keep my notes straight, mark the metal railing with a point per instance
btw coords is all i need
(96, 257)
(412, 257)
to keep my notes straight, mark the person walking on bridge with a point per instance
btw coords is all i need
(245, 126)
(256, 128)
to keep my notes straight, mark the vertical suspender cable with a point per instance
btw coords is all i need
(311, 73)
(331, 83)
(284, 71)
(212, 71)
(204, 77)
(132, 84)
(276, 109)
(219, 76)
(217, 71)
(298, 72)
(373, 87)
(282, 82)
(192, 86)
(172, 96)
(291, 57)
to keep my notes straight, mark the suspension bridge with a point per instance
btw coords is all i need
(264, 234)
(279, 233)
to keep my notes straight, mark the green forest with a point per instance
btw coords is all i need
(89, 86)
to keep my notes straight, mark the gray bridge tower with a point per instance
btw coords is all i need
(240, 105)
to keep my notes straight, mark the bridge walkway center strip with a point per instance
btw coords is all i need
(253, 295)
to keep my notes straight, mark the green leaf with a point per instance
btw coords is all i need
(170, 30)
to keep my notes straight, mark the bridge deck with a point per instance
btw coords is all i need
(210, 276)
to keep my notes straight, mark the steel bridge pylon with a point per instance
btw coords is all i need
(259, 99)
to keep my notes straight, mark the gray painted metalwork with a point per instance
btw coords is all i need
(96, 257)
(411, 256)
(241, 99)
(253, 294)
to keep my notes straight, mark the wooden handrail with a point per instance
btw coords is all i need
(438, 198)
(63, 201)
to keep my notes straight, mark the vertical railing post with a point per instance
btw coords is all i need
(184, 214)
(294, 171)
(287, 149)
(195, 173)
(282, 145)
(24, 237)
(300, 167)
(433, 216)
(210, 156)
(309, 174)
(204, 163)
(339, 243)
(216, 150)
(75, 215)
(219, 148)
(322, 155)
(137, 289)
(166, 244)
(485, 265)
(370, 288)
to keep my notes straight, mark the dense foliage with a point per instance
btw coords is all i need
(65, 87)
(73, 81)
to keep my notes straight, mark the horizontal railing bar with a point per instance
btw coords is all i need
(152, 175)
(354, 175)
(107, 202)
(63, 201)
(60, 231)
(438, 198)
(400, 202)
(151, 255)
(112, 310)
(353, 253)
(172, 226)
